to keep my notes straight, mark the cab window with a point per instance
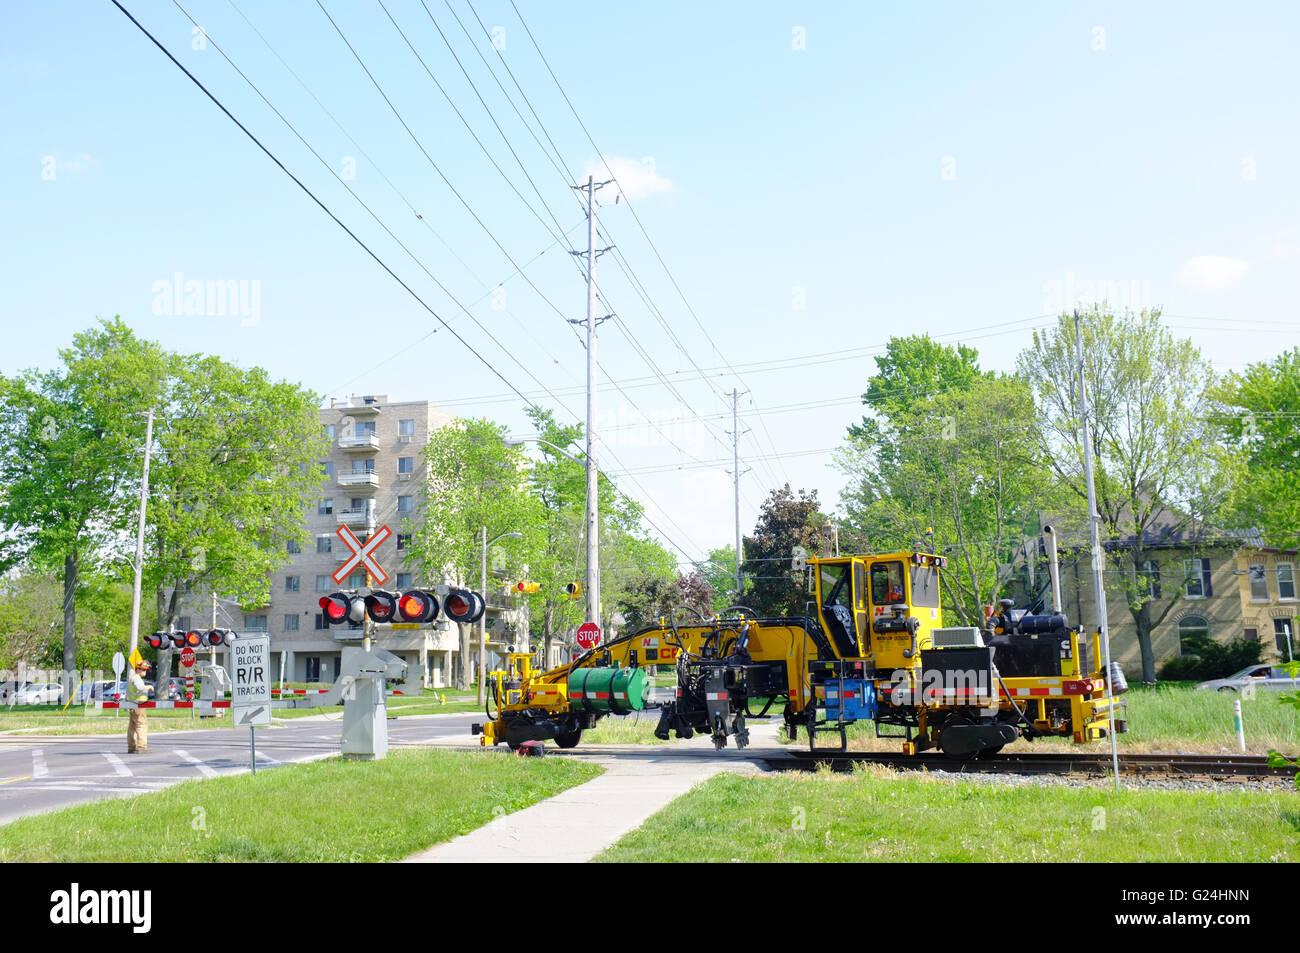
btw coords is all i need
(887, 583)
(836, 596)
(925, 586)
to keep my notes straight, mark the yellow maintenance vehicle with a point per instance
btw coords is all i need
(871, 646)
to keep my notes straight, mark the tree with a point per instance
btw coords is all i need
(236, 465)
(914, 369)
(719, 571)
(960, 467)
(1154, 451)
(651, 598)
(70, 458)
(785, 520)
(473, 480)
(1262, 417)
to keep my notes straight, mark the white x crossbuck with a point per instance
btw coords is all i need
(362, 554)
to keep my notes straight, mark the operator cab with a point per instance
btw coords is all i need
(853, 592)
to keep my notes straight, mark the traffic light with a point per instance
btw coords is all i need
(182, 640)
(528, 587)
(574, 589)
(463, 606)
(417, 606)
(339, 608)
(216, 637)
(381, 606)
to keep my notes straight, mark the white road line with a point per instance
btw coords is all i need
(204, 770)
(118, 764)
(268, 758)
(39, 768)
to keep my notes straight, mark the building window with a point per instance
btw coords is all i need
(291, 583)
(293, 546)
(328, 466)
(328, 430)
(1285, 579)
(322, 583)
(406, 464)
(183, 623)
(405, 504)
(1282, 628)
(365, 428)
(255, 623)
(1149, 578)
(313, 668)
(403, 580)
(406, 428)
(291, 623)
(320, 622)
(324, 507)
(356, 580)
(1193, 631)
(1197, 574)
(1258, 575)
(363, 466)
(1252, 635)
(403, 540)
(324, 544)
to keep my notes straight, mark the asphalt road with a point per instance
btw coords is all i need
(48, 773)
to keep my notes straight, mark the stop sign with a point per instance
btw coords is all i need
(588, 635)
(187, 657)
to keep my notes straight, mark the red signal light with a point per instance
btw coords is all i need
(156, 640)
(381, 605)
(335, 608)
(417, 606)
(193, 639)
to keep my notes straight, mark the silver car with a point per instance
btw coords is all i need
(1254, 676)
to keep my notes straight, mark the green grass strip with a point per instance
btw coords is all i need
(331, 810)
(861, 817)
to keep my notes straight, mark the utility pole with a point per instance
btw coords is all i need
(593, 473)
(139, 537)
(1094, 532)
(735, 479)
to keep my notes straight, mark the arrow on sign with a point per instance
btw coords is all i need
(248, 716)
(362, 554)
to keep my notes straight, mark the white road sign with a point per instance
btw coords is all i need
(250, 695)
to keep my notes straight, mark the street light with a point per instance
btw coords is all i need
(482, 620)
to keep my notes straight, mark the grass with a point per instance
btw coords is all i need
(331, 810)
(623, 731)
(398, 706)
(1168, 717)
(881, 816)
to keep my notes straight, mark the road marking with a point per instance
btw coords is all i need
(12, 780)
(39, 767)
(204, 770)
(118, 764)
(267, 757)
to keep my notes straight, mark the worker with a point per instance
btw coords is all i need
(137, 732)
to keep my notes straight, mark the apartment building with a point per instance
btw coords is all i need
(373, 477)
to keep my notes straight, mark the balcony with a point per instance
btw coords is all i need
(365, 478)
(363, 441)
(357, 517)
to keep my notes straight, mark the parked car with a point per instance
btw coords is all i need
(1260, 676)
(39, 693)
(175, 689)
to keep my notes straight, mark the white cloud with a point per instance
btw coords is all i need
(1212, 272)
(637, 179)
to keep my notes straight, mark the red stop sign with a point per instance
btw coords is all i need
(588, 635)
(187, 657)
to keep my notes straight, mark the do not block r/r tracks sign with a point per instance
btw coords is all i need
(250, 695)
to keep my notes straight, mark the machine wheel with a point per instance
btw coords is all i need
(569, 739)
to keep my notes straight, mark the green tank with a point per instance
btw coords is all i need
(614, 690)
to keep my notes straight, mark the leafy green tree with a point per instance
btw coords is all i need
(719, 571)
(473, 480)
(70, 457)
(1156, 459)
(1261, 415)
(785, 520)
(653, 597)
(913, 369)
(959, 468)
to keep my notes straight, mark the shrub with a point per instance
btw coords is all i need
(1204, 659)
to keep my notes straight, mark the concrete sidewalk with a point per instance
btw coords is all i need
(577, 824)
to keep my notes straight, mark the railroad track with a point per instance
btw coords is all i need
(1140, 765)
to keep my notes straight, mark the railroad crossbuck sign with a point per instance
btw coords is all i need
(250, 695)
(362, 554)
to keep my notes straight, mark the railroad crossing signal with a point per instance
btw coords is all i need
(362, 554)
(574, 589)
(340, 607)
(528, 587)
(417, 606)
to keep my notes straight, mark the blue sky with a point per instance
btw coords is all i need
(817, 181)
